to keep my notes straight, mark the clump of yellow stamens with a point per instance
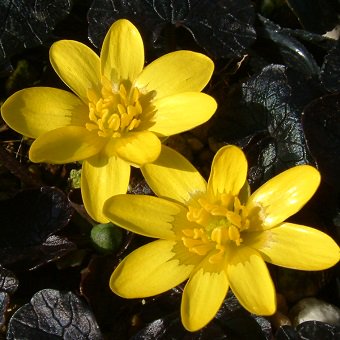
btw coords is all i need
(114, 112)
(221, 224)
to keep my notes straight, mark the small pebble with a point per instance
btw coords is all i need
(310, 309)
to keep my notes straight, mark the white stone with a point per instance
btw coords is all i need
(310, 309)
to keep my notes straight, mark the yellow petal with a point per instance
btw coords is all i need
(102, 178)
(296, 246)
(136, 148)
(283, 195)
(202, 297)
(250, 281)
(78, 67)
(122, 54)
(34, 111)
(65, 145)
(176, 72)
(228, 171)
(148, 271)
(146, 215)
(173, 176)
(182, 112)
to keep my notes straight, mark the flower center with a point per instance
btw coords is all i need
(115, 112)
(222, 224)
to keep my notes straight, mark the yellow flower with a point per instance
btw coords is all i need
(216, 234)
(118, 110)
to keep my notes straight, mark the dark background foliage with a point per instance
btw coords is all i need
(277, 85)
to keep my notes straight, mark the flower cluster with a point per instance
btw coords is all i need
(213, 234)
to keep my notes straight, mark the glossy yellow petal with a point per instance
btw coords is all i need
(122, 54)
(250, 281)
(145, 215)
(102, 178)
(228, 171)
(182, 112)
(77, 65)
(148, 271)
(296, 246)
(34, 111)
(203, 296)
(173, 176)
(136, 148)
(283, 195)
(65, 145)
(176, 72)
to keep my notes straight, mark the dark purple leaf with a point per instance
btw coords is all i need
(311, 330)
(52, 314)
(280, 47)
(316, 15)
(268, 108)
(8, 282)
(286, 332)
(103, 13)
(232, 322)
(170, 327)
(8, 285)
(32, 257)
(4, 302)
(28, 221)
(28, 23)
(330, 71)
(223, 28)
(321, 121)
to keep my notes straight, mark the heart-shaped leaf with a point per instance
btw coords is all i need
(52, 314)
(267, 107)
(223, 28)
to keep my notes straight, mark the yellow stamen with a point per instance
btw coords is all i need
(222, 224)
(113, 113)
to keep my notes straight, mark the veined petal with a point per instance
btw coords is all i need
(136, 148)
(176, 72)
(296, 246)
(203, 296)
(78, 67)
(37, 110)
(171, 175)
(148, 271)
(182, 112)
(101, 178)
(250, 281)
(283, 195)
(228, 171)
(146, 215)
(64, 145)
(122, 54)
